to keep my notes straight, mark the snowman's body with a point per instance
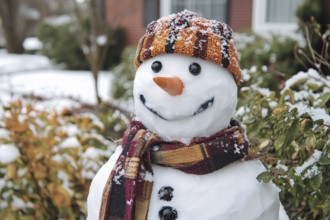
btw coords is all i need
(184, 89)
(229, 193)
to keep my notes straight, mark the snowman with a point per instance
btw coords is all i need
(184, 156)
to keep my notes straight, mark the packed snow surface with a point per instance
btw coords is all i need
(34, 74)
(8, 153)
(312, 160)
(70, 142)
(32, 43)
(14, 63)
(58, 83)
(315, 113)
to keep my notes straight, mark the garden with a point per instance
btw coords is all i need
(57, 129)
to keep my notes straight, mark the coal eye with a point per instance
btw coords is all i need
(195, 69)
(156, 66)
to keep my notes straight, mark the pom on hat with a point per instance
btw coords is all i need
(188, 34)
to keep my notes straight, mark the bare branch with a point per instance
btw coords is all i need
(309, 43)
(296, 52)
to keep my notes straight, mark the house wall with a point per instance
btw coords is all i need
(240, 15)
(129, 15)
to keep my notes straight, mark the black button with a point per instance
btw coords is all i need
(168, 213)
(166, 193)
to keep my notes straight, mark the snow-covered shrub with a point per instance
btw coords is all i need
(290, 131)
(124, 75)
(61, 42)
(275, 52)
(115, 122)
(47, 161)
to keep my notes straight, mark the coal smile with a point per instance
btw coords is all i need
(207, 104)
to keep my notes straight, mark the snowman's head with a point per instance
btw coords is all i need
(187, 75)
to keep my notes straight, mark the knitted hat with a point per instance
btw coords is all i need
(188, 34)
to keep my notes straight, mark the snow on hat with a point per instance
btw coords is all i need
(188, 34)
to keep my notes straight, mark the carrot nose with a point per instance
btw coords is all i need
(172, 85)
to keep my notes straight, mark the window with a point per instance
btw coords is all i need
(282, 11)
(150, 11)
(211, 9)
(275, 15)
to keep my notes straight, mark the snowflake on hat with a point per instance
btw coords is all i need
(184, 156)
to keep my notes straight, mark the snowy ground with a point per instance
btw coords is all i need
(34, 74)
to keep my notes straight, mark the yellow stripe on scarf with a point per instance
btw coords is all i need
(181, 156)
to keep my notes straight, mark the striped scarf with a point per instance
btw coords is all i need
(128, 189)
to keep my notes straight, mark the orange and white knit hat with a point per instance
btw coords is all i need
(188, 34)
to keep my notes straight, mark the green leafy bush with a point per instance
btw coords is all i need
(289, 131)
(52, 160)
(287, 116)
(61, 43)
(274, 55)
